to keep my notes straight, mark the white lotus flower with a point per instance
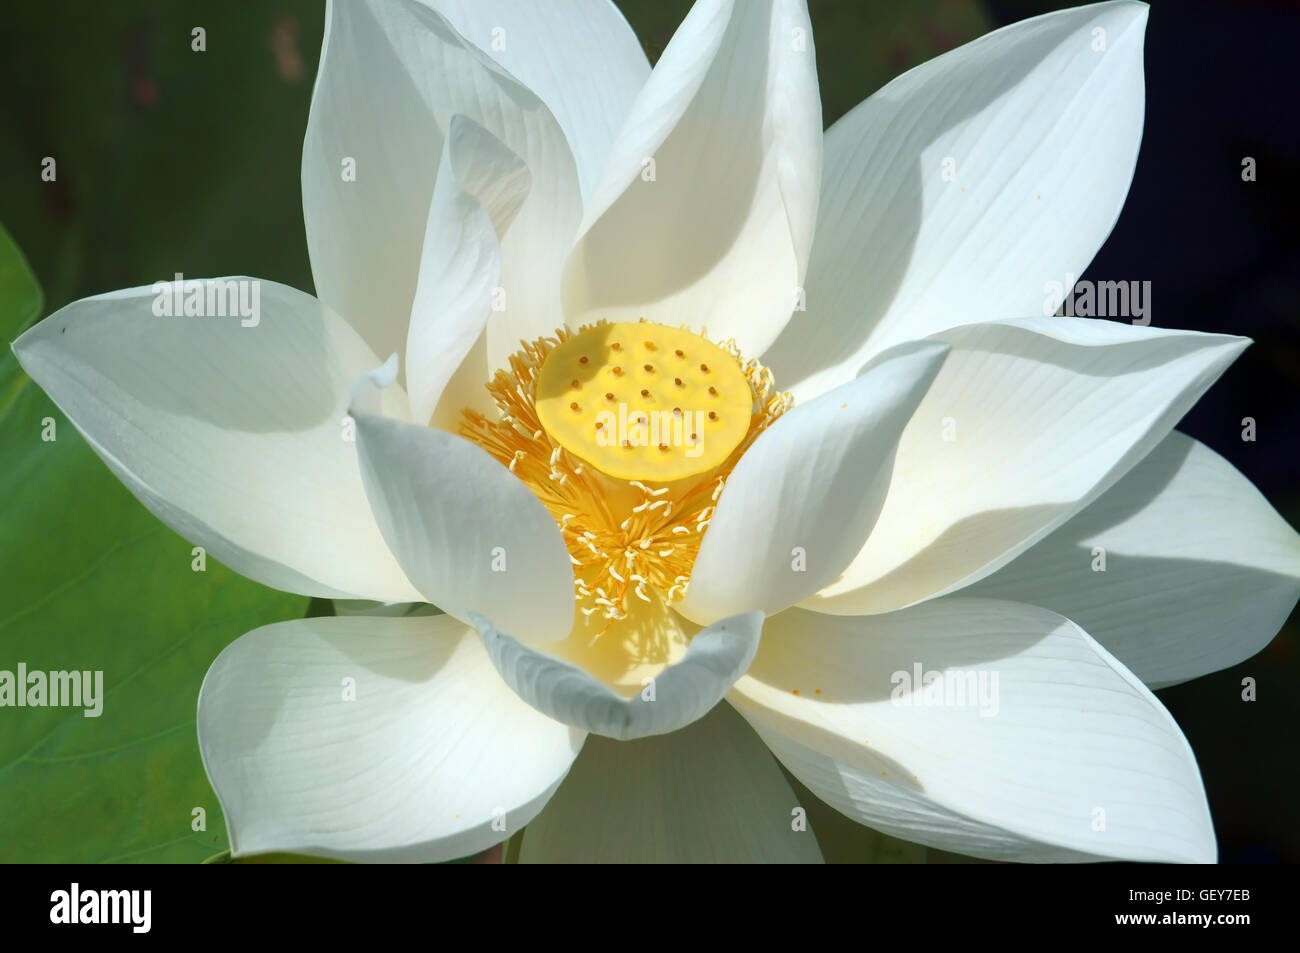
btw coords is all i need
(930, 497)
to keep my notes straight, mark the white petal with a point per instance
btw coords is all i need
(803, 499)
(481, 185)
(1197, 571)
(709, 793)
(719, 234)
(1066, 756)
(232, 435)
(555, 49)
(957, 192)
(1028, 422)
(392, 76)
(373, 740)
(678, 695)
(467, 532)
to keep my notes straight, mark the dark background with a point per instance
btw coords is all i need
(171, 160)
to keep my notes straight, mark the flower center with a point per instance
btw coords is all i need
(626, 433)
(644, 402)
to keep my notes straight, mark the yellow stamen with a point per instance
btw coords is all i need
(634, 516)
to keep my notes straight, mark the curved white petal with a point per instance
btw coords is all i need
(960, 190)
(803, 499)
(709, 793)
(481, 186)
(467, 532)
(392, 76)
(704, 213)
(579, 57)
(1027, 423)
(1027, 742)
(1180, 569)
(230, 429)
(373, 739)
(678, 695)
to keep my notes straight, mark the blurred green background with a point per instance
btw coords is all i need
(172, 160)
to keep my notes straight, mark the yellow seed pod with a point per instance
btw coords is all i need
(641, 401)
